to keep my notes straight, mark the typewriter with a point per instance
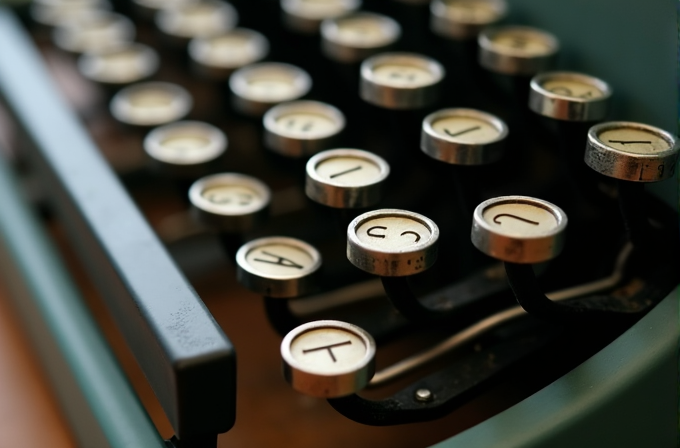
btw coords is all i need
(339, 223)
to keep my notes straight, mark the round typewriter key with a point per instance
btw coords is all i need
(631, 151)
(196, 19)
(346, 178)
(328, 358)
(218, 56)
(94, 31)
(392, 243)
(464, 19)
(151, 104)
(125, 64)
(463, 136)
(302, 128)
(278, 267)
(569, 96)
(58, 12)
(305, 16)
(258, 87)
(519, 229)
(185, 148)
(517, 50)
(356, 36)
(400, 80)
(230, 202)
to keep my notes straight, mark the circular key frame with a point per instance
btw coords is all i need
(302, 128)
(218, 56)
(519, 229)
(354, 37)
(465, 19)
(258, 87)
(201, 18)
(463, 137)
(278, 267)
(54, 13)
(328, 358)
(151, 104)
(400, 80)
(185, 148)
(517, 50)
(125, 64)
(631, 151)
(305, 16)
(392, 243)
(346, 178)
(230, 202)
(93, 31)
(569, 96)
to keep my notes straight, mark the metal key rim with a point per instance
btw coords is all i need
(569, 108)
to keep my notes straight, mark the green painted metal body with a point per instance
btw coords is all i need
(92, 389)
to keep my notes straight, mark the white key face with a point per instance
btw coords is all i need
(636, 141)
(522, 42)
(467, 130)
(349, 171)
(122, 62)
(324, 9)
(305, 125)
(151, 99)
(473, 11)
(281, 260)
(364, 32)
(234, 199)
(185, 148)
(572, 88)
(392, 233)
(200, 19)
(328, 351)
(520, 220)
(233, 50)
(400, 75)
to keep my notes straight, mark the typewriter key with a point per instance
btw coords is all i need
(346, 178)
(400, 80)
(569, 96)
(148, 8)
(93, 31)
(464, 19)
(328, 358)
(257, 87)
(631, 151)
(302, 128)
(519, 229)
(516, 50)
(463, 136)
(202, 18)
(125, 64)
(278, 267)
(230, 202)
(185, 148)
(305, 16)
(151, 104)
(58, 12)
(218, 56)
(356, 36)
(392, 243)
